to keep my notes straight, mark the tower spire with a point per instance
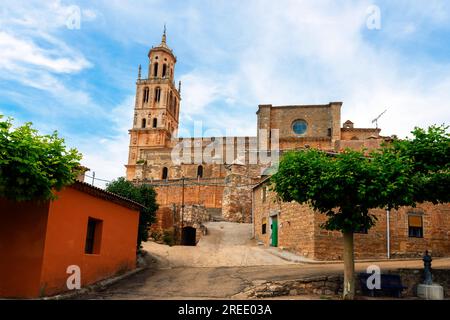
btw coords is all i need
(164, 34)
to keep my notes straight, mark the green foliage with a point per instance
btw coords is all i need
(347, 185)
(340, 186)
(32, 166)
(142, 194)
(429, 152)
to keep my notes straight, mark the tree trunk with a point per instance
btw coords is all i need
(349, 267)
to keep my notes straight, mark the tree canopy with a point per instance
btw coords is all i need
(143, 194)
(347, 185)
(32, 166)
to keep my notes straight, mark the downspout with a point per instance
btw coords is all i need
(253, 213)
(388, 233)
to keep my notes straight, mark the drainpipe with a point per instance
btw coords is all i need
(388, 233)
(253, 214)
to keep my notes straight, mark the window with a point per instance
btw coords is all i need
(200, 172)
(164, 70)
(93, 236)
(415, 226)
(264, 226)
(155, 69)
(299, 127)
(329, 132)
(264, 194)
(144, 123)
(157, 94)
(146, 95)
(165, 173)
(155, 123)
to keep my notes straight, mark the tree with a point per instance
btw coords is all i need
(33, 166)
(142, 194)
(347, 185)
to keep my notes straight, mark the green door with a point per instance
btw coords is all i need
(274, 232)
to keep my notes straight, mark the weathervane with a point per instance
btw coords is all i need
(377, 118)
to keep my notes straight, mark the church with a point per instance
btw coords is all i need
(219, 174)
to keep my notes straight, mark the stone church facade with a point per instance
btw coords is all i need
(219, 173)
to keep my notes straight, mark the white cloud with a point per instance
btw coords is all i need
(315, 52)
(107, 156)
(15, 52)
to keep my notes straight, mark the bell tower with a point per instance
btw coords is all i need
(157, 105)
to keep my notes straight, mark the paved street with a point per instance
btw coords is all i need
(223, 264)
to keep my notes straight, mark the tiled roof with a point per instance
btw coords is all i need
(106, 195)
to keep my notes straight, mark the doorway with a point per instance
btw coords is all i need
(188, 236)
(274, 231)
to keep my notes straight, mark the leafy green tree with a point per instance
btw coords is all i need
(347, 185)
(142, 194)
(429, 151)
(33, 166)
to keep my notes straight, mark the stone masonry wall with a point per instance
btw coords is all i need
(300, 232)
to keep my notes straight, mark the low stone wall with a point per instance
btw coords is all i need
(412, 277)
(322, 285)
(332, 285)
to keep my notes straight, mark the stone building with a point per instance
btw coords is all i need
(219, 172)
(296, 228)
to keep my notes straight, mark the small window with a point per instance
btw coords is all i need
(264, 226)
(144, 123)
(299, 127)
(157, 94)
(165, 173)
(200, 172)
(329, 132)
(415, 226)
(155, 69)
(93, 236)
(155, 123)
(146, 95)
(164, 70)
(264, 194)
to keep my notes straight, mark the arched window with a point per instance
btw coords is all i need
(200, 172)
(165, 173)
(155, 69)
(144, 122)
(146, 94)
(164, 71)
(157, 94)
(170, 100)
(155, 123)
(175, 106)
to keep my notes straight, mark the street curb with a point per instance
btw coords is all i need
(101, 285)
(289, 256)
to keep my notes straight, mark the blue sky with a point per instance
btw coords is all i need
(232, 56)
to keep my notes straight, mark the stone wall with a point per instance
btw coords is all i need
(300, 231)
(199, 193)
(296, 223)
(237, 194)
(331, 285)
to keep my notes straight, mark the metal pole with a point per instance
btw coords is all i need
(182, 203)
(93, 177)
(388, 233)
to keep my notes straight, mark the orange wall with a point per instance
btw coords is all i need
(66, 236)
(22, 232)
